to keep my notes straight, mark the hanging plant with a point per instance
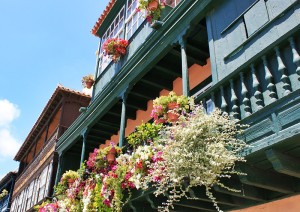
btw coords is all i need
(169, 108)
(198, 151)
(87, 81)
(151, 8)
(115, 48)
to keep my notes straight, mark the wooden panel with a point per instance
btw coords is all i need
(235, 36)
(275, 7)
(256, 17)
(289, 116)
(259, 130)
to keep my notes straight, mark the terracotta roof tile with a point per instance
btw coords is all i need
(54, 100)
(102, 17)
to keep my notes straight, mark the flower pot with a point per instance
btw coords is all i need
(89, 84)
(111, 155)
(70, 182)
(172, 116)
(153, 5)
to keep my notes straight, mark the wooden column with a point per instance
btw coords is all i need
(84, 134)
(59, 168)
(123, 120)
(185, 68)
(97, 67)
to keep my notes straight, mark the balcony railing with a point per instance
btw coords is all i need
(32, 168)
(264, 94)
(107, 69)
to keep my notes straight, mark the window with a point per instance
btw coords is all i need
(42, 184)
(48, 179)
(114, 31)
(133, 18)
(29, 195)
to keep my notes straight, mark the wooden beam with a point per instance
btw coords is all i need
(222, 198)
(141, 95)
(138, 104)
(167, 71)
(283, 163)
(186, 205)
(266, 179)
(197, 50)
(190, 58)
(110, 130)
(156, 83)
(108, 124)
(247, 192)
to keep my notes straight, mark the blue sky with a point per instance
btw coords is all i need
(42, 43)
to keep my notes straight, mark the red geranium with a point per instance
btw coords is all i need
(115, 48)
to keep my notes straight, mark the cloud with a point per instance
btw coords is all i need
(8, 112)
(9, 145)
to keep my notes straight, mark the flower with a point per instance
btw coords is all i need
(197, 151)
(151, 12)
(161, 106)
(115, 48)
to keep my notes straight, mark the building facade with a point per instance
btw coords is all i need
(37, 156)
(7, 184)
(239, 56)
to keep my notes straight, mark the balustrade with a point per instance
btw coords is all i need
(265, 84)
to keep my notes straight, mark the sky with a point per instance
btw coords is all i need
(42, 43)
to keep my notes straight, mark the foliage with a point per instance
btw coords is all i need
(198, 150)
(87, 78)
(115, 48)
(151, 15)
(144, 134)
(160, 106)
(3, 194)
(66, 180)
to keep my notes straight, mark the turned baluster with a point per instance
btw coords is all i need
(257, 94)
(284, 78)
(246, 100)
(269, 78)
(235, 108)
(296, 57)
(223, 101)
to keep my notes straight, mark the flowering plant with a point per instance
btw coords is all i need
(87, 79)
(197, 151)
(67, 179)
(161, 108)
(3, 193)
(115, 48)
(152, 9)
(144, 134)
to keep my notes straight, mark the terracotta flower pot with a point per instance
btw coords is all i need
(70, 182)
(153, 5)
(111, 155)
(89, 84)
(172, 116)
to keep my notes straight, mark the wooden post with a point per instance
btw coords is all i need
(97, 67)
(185, 68)
(123, 120)
(59, 168)
(84, 137)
